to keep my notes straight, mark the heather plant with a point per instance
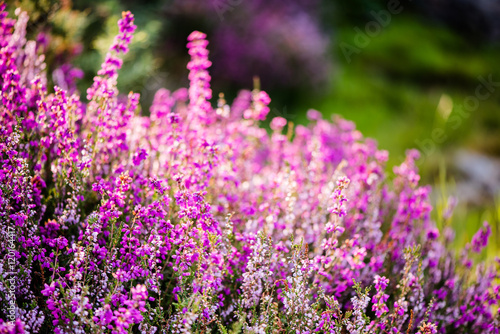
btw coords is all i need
(194, 219)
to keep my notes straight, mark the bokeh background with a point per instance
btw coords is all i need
(411, 74)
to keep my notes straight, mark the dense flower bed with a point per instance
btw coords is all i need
(193, 219)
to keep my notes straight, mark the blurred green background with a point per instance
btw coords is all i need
(404, 81)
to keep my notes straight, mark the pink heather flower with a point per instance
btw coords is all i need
(382, 155)
(380, 298)
(407, 169)
(480, 239)
(199, 88)
(139, 292)
(313, 115)
(139, 156)
(381, 282)
(259, 109)
(433, 233)
(126, 27)
(278, 123)
(49, 289)
(339, 198)
(261, 101)
(112, 63)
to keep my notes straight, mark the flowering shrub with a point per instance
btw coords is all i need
(193, 219)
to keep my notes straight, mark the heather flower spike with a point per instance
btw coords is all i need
(199, 88)
(195, 220)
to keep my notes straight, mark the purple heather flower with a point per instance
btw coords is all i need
(199, 88)
(480, 239)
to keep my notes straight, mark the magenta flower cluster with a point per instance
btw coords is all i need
(191, 218)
